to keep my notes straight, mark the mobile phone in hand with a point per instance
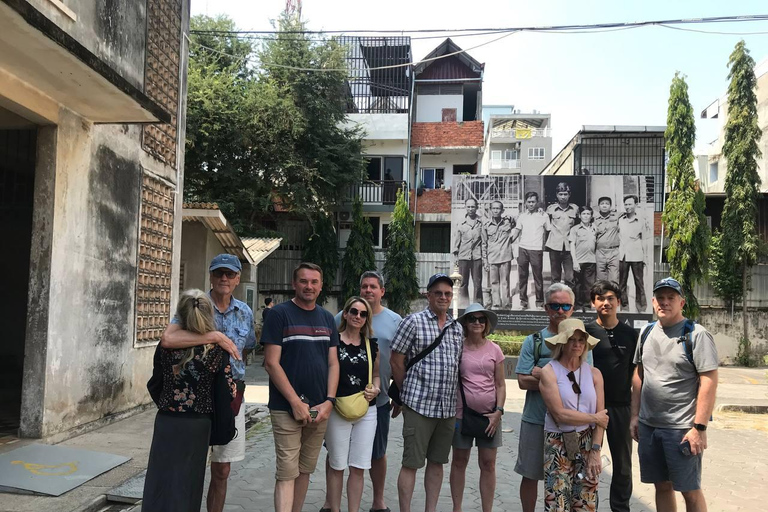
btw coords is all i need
(685, 448)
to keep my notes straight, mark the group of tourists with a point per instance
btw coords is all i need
(337, 382)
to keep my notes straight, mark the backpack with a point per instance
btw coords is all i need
(685, 339)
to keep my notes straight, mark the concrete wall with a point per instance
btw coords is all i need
(429, 108)
(381, 126)
(727, 330)
(113, 30)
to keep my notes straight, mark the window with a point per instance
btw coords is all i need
(435, 237)
(374, 168)
(535, 153)
(713, 172)
(391, 170)
(449, 115)
(512, 154)
(384, 236)
(433, 178)
(495, 156)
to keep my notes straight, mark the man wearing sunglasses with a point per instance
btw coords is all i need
(236, 335)
(613, 357)
(534, 355)
(428, 391)
(673, 394)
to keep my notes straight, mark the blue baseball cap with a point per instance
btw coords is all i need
(437, 278)
(227, 261)
(668, 282)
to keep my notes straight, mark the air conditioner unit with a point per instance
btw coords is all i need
(344, 216)
(345, 225)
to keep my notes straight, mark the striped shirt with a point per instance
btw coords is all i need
(305, 338)
(430, 385)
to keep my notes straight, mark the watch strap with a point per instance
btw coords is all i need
(596, 447)
(700, 427)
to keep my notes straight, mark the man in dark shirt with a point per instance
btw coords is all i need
(300, 352)
(613, 357)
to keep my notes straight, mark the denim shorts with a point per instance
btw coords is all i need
(661, 459)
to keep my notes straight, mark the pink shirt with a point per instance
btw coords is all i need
(478, 371)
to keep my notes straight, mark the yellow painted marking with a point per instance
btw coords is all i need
(751, 380)
(67, 468)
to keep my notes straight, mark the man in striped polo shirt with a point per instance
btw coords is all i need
(300, 343)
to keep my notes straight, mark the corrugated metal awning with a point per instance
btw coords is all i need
(212, 218)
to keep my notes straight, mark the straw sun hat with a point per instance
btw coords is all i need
(566, 330)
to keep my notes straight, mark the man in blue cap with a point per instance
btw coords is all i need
(673, 394)
(234, 321)
(428, 390)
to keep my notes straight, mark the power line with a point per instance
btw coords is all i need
(579, 28)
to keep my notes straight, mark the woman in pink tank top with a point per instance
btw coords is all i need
(575, 422)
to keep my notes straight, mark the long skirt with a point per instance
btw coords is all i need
(176, 469)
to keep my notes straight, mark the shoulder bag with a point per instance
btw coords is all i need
(223, 418)
(354, 407)
(394, 391)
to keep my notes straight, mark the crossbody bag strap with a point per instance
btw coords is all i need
(370, 363)
(461, 387)
(424, 353)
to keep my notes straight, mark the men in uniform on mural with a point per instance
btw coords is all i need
(467, 253)
(582, 242)
(531, 230)
(496, 248)
(607, 233)
(634, 232)
(563, 215)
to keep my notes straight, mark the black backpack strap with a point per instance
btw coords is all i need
(424, 353)
(644, 336)
(538, 341)
(687, 340)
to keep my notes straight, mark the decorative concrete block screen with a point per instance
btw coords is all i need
(161, 77)
(153, 291)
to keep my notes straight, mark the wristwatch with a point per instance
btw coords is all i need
(596, 447)
(700, 427)
(331, 399)
(497, 408)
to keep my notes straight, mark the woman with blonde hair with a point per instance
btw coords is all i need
(352, 425)
(575, 421)
(176, 468)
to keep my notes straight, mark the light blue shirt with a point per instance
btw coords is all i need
(384, 327)
(237, 324)
(534, 409)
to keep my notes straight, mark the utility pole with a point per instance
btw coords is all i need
(293, 7)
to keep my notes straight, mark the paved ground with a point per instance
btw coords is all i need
(735, 465)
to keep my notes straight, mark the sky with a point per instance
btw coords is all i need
(607, 78)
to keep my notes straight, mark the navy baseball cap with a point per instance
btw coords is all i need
(437, 278)
(668, 282)
(227, 261)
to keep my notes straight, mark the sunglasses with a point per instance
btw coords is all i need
(477, 319)
(554, 306)
(357, 312)
(218, 273)
(574, 385)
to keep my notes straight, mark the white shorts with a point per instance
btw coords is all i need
(350, 443)
(234, 450)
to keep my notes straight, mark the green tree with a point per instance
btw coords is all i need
(684, 210)
(321, 248)
(737, 244)
(358, 256)
(262, 130)
(400, 267)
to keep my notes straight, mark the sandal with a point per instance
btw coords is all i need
(380, 510)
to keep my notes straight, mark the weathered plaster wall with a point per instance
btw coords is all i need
(727, 329)
(113, 30)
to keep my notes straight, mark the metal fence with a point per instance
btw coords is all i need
(276, 272)
(757, 297)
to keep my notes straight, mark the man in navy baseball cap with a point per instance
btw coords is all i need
(439, 278)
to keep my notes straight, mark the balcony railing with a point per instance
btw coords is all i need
(376, 192)
(505, 164)
(521, 133)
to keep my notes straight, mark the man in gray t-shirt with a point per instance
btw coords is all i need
(673, 394)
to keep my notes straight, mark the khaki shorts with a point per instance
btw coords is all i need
(296, 447)
(425, 438)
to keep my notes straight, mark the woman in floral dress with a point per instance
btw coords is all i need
(575, 421)
(176, 469)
